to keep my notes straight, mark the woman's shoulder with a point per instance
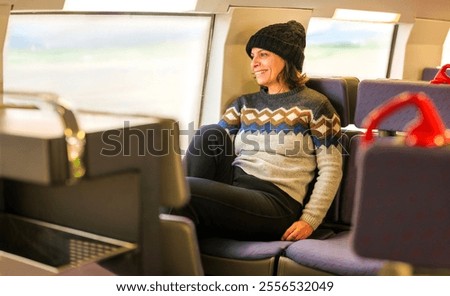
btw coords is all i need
(312, 94)
(316, 101)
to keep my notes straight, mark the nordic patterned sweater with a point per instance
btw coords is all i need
(283, 138)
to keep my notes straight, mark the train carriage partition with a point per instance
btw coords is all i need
(402, 204)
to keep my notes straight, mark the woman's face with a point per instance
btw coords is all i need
(266, 66)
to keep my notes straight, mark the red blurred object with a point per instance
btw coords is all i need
(441, 76)
(429, 129)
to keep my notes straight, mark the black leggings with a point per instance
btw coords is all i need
(227, 202)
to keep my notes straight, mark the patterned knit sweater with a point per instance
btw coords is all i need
(283, 138)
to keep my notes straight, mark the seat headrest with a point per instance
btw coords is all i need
(429, 73)
(373, 93)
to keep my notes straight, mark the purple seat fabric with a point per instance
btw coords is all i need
(373, 93)
(348, 184)
(429, 73)
(334, 255)
(403, 211)
(243, 250)
(250, 250)
(339, 215)
(341, 92)
(403, 204)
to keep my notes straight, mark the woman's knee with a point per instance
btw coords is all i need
(212, 130)
(211, 139)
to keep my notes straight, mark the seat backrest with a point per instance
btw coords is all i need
(403, 205)
(347, 191)
(352, 89)
(341, 93)
(373, 93)
(429, 73)
(181, 253)
(122, 191)
(173, 182)
(401, 193)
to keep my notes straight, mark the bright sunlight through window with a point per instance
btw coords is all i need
(146, 64)
(347, 48)
(130, 5)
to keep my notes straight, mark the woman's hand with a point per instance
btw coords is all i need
(298, 230)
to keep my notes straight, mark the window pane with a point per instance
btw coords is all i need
(130, 5)
(147, 64)
(344, 48)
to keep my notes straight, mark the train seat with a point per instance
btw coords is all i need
(337, 255)
(341, 91)
(411, 196)
(232, 257)
(180, 251)
(412, 199)
(119, 198)
(372, 93)
(222, 256)
(428, 73)
(179, 244)
(333, 256)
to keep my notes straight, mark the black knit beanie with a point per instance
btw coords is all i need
(288, 40)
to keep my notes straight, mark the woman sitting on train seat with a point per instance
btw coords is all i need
(249, 174)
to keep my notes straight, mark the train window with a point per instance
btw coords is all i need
(117, 62)
(130, 5)
(348, 48)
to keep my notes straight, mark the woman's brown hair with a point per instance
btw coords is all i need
(292, 76)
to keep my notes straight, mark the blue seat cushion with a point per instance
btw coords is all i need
(334, 255)
(250, 250)
(244, 250)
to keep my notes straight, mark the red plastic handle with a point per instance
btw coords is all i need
(441, 76)
(428, 131)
